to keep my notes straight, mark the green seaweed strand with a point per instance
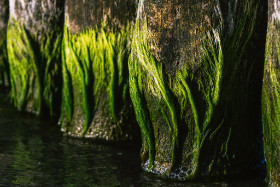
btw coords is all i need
(108, 42)
(141, 109)
(140, 47)
(67, 99)
(76, 64)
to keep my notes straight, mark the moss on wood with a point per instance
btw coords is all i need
(271, 97)
(34, 48)
(34, 70)
(95, 89)
(193, 113)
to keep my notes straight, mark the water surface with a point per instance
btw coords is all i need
(35, 153)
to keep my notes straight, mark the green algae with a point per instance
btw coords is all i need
(95, 76)
(208, 103)
(157, 86)
(271, 105)
(146, 72)
(34, 69)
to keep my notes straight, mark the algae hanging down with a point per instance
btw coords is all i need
(96, 47)
(195, 81)
(271, 96)
(34, 48)
(95, 99)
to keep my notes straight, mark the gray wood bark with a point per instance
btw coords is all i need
(90, 14)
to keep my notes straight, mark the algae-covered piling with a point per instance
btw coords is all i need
(191, 70)
(34, 44)
(271, 91)
(195, 82)
(96, 100)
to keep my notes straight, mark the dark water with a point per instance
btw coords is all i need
(34, 153)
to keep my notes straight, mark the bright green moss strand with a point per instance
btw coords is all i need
(141, 111)
(140, 47)
(79, 70)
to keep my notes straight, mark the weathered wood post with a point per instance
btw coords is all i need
(4, 66)
(196, 72)
(271, 91)
(34, 43)
(96, 47)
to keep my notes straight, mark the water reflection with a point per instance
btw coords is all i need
(34, 153)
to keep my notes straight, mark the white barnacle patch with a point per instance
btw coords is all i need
(140, 12)
(12, 8)
(276, 13)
